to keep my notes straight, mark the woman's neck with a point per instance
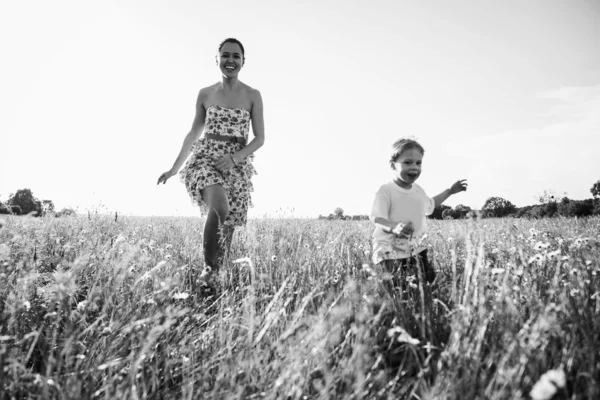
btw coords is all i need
(230, 84)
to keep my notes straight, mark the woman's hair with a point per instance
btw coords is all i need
(233, 40)
(400, 146)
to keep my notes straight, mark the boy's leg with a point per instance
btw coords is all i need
(426, 267)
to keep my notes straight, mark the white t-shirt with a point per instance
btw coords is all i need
(399, 205)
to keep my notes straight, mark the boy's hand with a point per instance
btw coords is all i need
(458, 186)
(403, 230)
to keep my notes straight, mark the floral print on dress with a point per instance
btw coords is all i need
(227, 121)
(200, 171)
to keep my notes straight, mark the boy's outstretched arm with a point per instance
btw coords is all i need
(457, 187)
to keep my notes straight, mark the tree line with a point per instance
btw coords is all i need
(549, 205)
(23, 202)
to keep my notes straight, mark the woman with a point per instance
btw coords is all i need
(218, 174)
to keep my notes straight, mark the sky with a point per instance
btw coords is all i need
(97, 97)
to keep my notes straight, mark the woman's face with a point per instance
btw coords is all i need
(230, 59)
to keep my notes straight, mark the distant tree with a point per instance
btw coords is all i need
(338, 213)
(448, 214)
(576, 208)
(438, 211)
(47, 207)
(498, 207)
(596, 190)
(65, 212)
(5, 208)
(26, 201)
(547, 196)
(461, 211)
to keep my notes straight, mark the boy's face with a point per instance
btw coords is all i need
(407, 166)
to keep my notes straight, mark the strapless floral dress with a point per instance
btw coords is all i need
(200, 171)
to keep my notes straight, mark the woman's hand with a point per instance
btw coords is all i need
(404, 230)
(164, 176)
(458, 186)
(225, 163)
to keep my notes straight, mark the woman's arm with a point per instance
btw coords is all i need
(190, 138)
(258, 127)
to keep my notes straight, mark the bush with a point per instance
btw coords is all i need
(5, 209)
(499, 207)
(65, 212)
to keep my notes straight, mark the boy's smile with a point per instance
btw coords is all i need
(407, 167)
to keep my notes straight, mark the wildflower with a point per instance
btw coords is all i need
(574, 292)
(545, 388)
(450, 239)
(50, 382)
(538, 258)
(406, 338)
(496, 271)
(553, 254)
(367, 252)
(306, 246)
(81, 305)
(395, 330)
(27, 305)
(588, 262)
(168, 257)
(273, 258)
(336, 277)
(412, 285)
(539, 246)
(564, 258)
(119, 239)
(80, 356)
(403, 336)
(181, 296)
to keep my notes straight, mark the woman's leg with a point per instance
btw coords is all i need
(218, 209)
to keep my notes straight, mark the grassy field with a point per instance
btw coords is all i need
(104, 309)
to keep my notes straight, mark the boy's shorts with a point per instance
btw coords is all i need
(403, 265)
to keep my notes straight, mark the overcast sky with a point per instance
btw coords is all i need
(97, 97)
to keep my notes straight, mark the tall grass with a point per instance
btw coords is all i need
(94, 308)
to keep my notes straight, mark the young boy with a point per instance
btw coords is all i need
(399, 212)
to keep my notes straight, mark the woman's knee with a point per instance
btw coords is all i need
(216, 200)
